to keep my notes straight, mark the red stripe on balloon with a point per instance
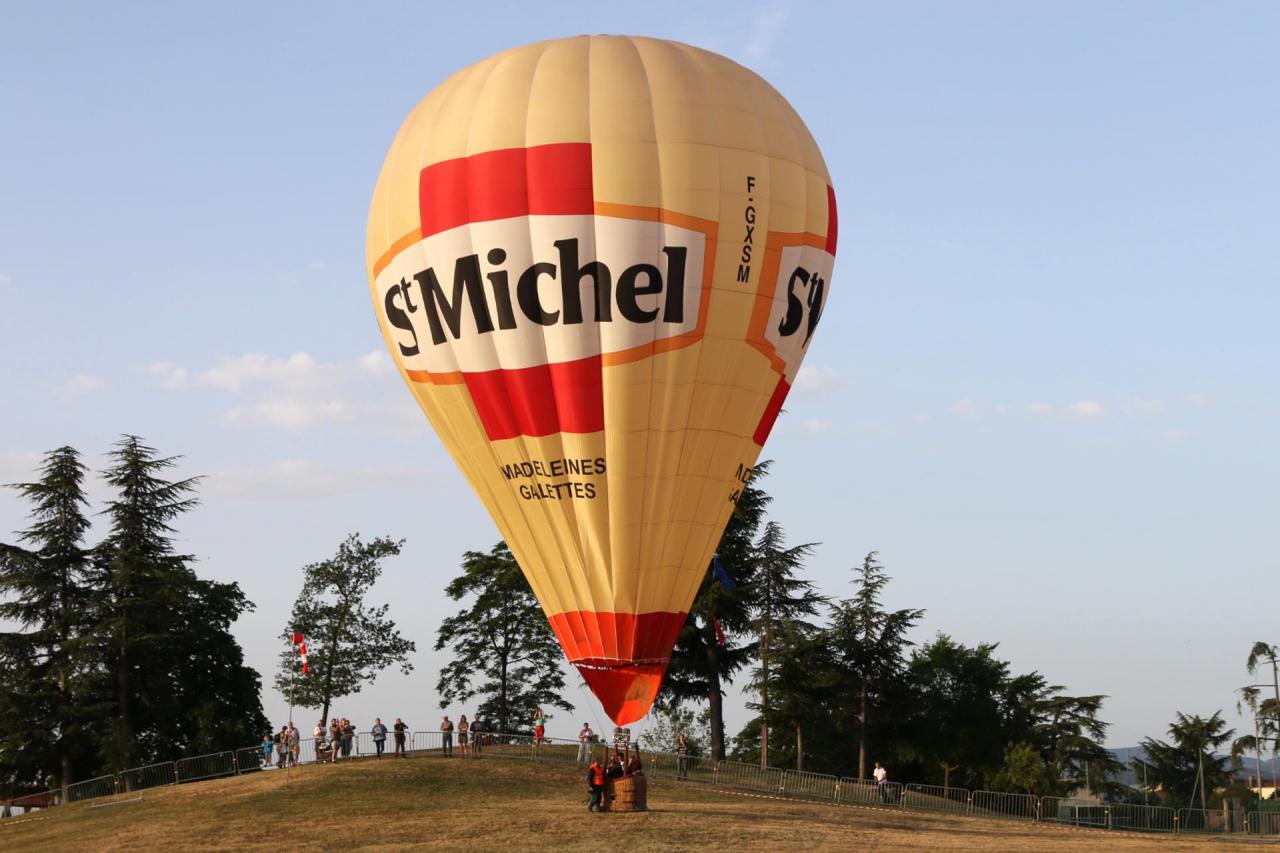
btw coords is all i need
(539, 400)
(832, 220)
(544, 179)
(771, 411)
(601, 638)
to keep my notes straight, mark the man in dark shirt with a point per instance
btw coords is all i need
(400, 728)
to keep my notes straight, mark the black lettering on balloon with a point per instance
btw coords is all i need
(527, 294)
(795, 308)
(398, 318)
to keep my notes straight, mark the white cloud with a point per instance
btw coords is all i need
(1148, 407)
(305, 479)
(6, 282)
(316, 266)
(169, 374)
(19, 466)
(816, 380)
(1086, 409)
(965, 408)
(1173, 435)
(298, 393)
(816, 426)
(234, 374)
(919, 420)
(1197, 398)
(84, 383)
(1002, 409)
(1040, 408)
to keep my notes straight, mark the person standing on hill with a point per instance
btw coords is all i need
(682, 757)
(584, 743)
(595, 786)
(446, 736)
(478, 729)
(282, 747)
(267, 746)
(464, 729)
(882, 782)
(539, 727)
(348, 736)
(379, 732)
(400, 728)
(335, 740)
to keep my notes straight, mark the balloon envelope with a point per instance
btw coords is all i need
(598, 262)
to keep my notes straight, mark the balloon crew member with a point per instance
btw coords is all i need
(595, 786)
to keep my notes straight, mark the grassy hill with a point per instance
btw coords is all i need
(504, 805)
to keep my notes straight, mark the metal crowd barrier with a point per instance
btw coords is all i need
(935, 798)
(998, 804)
(151, 776)
(1259, 823)
(102, 786)
(206, 766)
(810, 786)
(1213, 821)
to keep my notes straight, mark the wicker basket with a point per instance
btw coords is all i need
(629, 794)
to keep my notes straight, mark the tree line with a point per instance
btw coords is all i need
(836, 683)
(115, 654)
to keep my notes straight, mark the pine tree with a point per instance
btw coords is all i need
(1191, 762)
(45, 583)
(502, 645)
(176, 673)
(781, 601)
(700, 665)
(870, 642)
(349, 641)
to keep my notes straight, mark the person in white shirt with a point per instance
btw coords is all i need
(584, 744)
(882, 782)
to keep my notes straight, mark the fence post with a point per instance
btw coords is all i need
(1107, 813)
(235, 764)
(1039, 808)
(1177, 830)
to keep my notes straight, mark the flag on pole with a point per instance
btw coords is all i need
(719, 631)
(718, 569)
(300, 644)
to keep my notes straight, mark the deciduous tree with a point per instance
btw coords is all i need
(503, 649)
(350, 641)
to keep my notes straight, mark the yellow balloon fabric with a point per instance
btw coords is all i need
(598, 262)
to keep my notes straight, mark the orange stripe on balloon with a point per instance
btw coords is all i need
(503, 184)
(622, 656)
(404, 242)
(588, 637)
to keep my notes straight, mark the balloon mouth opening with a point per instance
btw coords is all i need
(626, 690)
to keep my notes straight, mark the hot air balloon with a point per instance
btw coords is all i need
(598, 262)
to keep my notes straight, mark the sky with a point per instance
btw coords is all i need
(1044, 389)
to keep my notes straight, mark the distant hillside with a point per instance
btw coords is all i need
(1248, 765)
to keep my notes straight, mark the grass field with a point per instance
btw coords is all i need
(510, 806)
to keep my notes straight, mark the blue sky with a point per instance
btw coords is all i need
(1044, 388)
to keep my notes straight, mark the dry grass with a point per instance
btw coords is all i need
(510, 806)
